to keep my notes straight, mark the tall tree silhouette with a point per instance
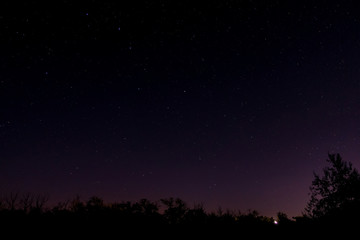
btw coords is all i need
(337, 192)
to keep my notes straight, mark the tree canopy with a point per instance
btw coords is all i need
(336, 192)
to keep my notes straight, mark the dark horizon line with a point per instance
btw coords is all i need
(49, 204)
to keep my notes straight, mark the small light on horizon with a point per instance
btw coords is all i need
(276, 222)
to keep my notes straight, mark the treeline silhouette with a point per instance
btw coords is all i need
(167, 211)
(334, 202)
(140, 218)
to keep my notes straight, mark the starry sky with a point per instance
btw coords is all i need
(226, 103)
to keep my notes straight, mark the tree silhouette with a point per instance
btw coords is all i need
(283, 218)
(27, 202)
(40, 201)
(196, 215)
(12, 201)
(77, 206)
(176, 209)
(146, 207)
(337, 192)
(95, 204)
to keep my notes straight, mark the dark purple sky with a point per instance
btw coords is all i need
(229, 103)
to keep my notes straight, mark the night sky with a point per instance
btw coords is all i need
(227, 103)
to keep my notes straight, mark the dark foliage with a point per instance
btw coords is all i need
(335, 196)
(139, 218)
(167, 218)
(333, 208)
